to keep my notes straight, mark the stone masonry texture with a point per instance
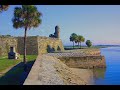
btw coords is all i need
(35, 44)
(6, 43)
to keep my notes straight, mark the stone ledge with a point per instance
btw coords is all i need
(34, 73)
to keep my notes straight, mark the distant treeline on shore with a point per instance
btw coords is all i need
(94, 46)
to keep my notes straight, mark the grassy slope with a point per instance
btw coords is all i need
(16, 75)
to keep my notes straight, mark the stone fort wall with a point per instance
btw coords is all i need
(79, 60)
(31, 45)
(35, 45)
(6, 43)
(46, 44)
(84, 62)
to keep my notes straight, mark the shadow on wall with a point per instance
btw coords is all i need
(50, 49)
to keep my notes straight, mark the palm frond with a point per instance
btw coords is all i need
(26, 16)
(3, 7)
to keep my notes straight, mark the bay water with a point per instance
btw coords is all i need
(111, 74)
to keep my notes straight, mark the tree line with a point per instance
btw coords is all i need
(79, 39)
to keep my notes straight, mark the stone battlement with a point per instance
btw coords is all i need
(35, 44)
(90, 58)
(41, 37)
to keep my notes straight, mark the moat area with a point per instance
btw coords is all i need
(110, 75)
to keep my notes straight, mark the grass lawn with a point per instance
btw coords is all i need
(83, 47)
(12, 71)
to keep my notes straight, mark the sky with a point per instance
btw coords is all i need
(98, 23)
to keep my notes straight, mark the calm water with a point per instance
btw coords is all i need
(110, 75)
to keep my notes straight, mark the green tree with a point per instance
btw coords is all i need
(3, 7)
(26, 16)
(79, 40)
(73, 38)
(88, 43)
(76, 40)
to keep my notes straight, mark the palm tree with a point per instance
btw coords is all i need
(76, 40)
(73, 38)
(88, 43)
(3, 7)
(26, 17)
(80, 39)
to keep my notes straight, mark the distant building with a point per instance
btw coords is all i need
(56, 34)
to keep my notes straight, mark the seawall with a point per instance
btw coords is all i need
(48, 70)
(84, 61)
(85, 58)
(64, 68)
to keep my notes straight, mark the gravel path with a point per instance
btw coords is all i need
(65, 54)
(76, 53)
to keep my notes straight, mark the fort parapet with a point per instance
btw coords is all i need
(35, 45)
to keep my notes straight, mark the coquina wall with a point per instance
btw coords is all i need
(84, 61)
(6, 43)
(32, 45)
(35, 45)
(46, 44)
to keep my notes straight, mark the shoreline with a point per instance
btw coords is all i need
(48, 70)
(85, 74)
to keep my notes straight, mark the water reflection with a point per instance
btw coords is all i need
(98, 73)
(110, 75)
